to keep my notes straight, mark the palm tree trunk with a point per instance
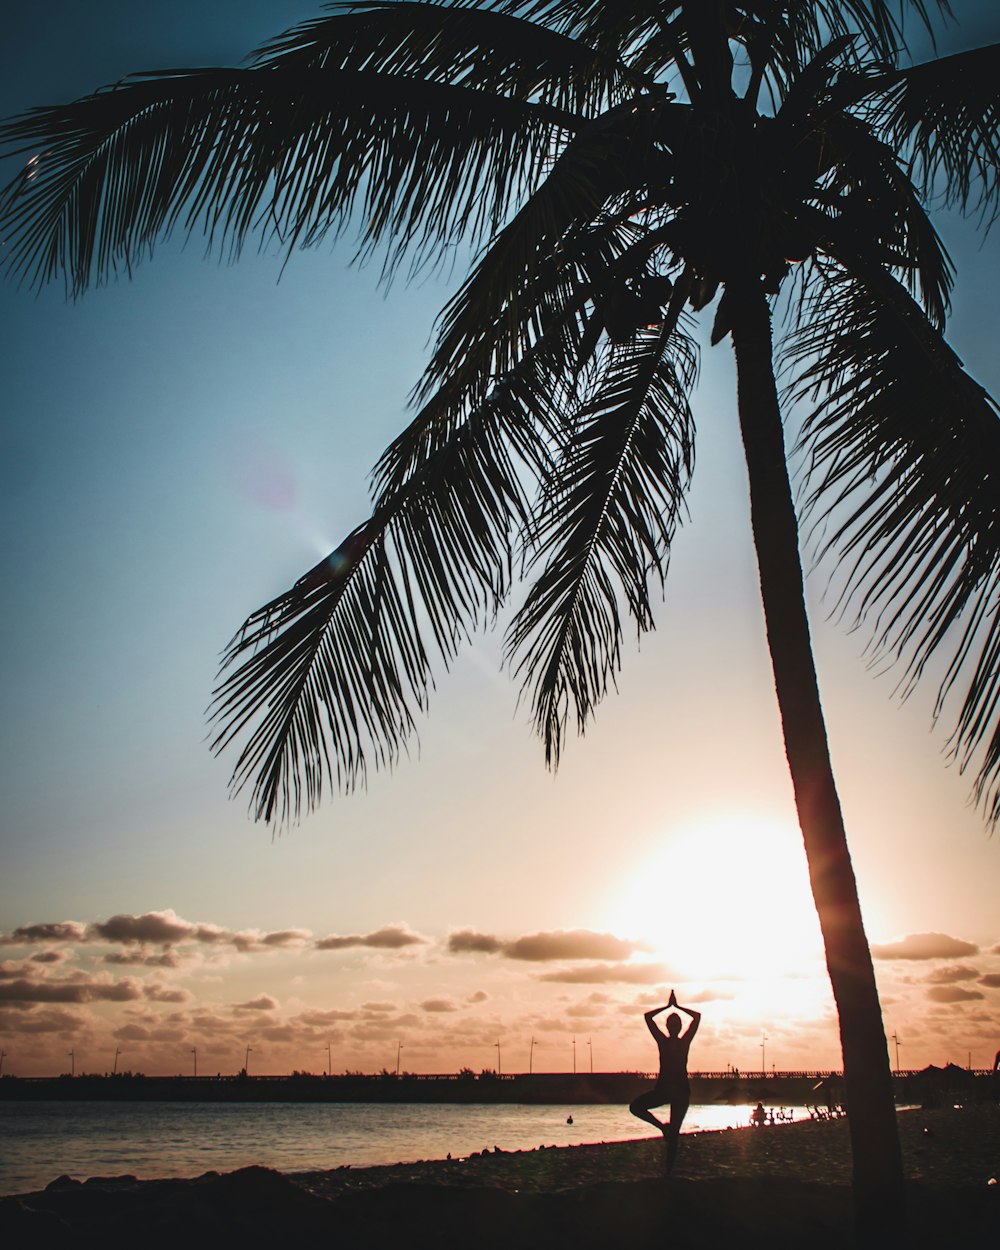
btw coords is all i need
(877, 1164)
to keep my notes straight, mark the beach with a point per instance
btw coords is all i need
(778, 1186)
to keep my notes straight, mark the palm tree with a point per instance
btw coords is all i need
(622, 165)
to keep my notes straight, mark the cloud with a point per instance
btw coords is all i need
(378, 1006)
(546, 946)
(952, 973)
(162, 928)
(607, 974)
(480, 996)
(991, 980)
(953, 994)
(438, 1005)
(139, 959)
(924, 946)
(586, 1011)
(263, 1002)
(389, 937)
(61, 931)
(286, 937)
(317, 1019)
(570, 944)
(166, 994)
(49, 957)
(44, 1020)
(156, 928)
(469, 942)
(76, 990)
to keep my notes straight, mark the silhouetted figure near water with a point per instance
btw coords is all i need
(672, 1084)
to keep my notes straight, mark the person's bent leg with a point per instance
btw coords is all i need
(641, 1108)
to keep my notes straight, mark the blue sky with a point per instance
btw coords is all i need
(178, 448)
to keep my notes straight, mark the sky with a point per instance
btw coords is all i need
(179, 447)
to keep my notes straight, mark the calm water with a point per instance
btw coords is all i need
(42, 1140)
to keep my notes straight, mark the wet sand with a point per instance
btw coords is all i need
(780, 1186)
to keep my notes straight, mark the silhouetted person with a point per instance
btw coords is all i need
(672, 1084)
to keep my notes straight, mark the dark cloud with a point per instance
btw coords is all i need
(609, 974)
(49, 957)
(263, 1002)
(480, 996)
(435, 1005)
(40, 1021)
(286, 937)
(139, 959)
(559, 944)
(570, 944)
(953, 994)
(77, 990)
(991, 980)
(469, 942)
(378, 1006)
(166, 994)
(160, 928)
(389, 937)
(163, 929)
(925, 946)
(59, 931)
(951, 974)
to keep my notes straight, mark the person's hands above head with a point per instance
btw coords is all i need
(672, 1000)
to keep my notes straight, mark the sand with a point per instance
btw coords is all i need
(783, 1186)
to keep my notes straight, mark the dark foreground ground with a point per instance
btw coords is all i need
(776, 1187)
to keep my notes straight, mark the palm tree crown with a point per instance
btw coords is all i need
(620, 166)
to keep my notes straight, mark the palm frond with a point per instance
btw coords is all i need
(562, 234)
(327, 678)
(945, 115)
(879, 213)
(606, 527)
(285, 154)
(904, 464)
(466, 44)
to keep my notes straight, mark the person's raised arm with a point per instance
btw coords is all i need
(650, 1018)
(692, 1028)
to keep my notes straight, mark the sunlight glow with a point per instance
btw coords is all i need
(726, 898)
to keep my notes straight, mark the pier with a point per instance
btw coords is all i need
(771, 1088)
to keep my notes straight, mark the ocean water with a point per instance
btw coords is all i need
(42, 1140)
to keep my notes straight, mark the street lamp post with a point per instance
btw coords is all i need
(531, 1056)
(895, 1038)
(590, 1043)
(574, 1056)
(499, 1068)
(329, 1061)
(72, 1062)
(3, 1055)
(763, 1055)
(114, 1068)
(194, 1054)
(399, 1047)
(246, 1062)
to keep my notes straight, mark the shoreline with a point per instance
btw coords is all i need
(779, 1186)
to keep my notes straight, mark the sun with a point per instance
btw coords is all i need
(726, 897)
